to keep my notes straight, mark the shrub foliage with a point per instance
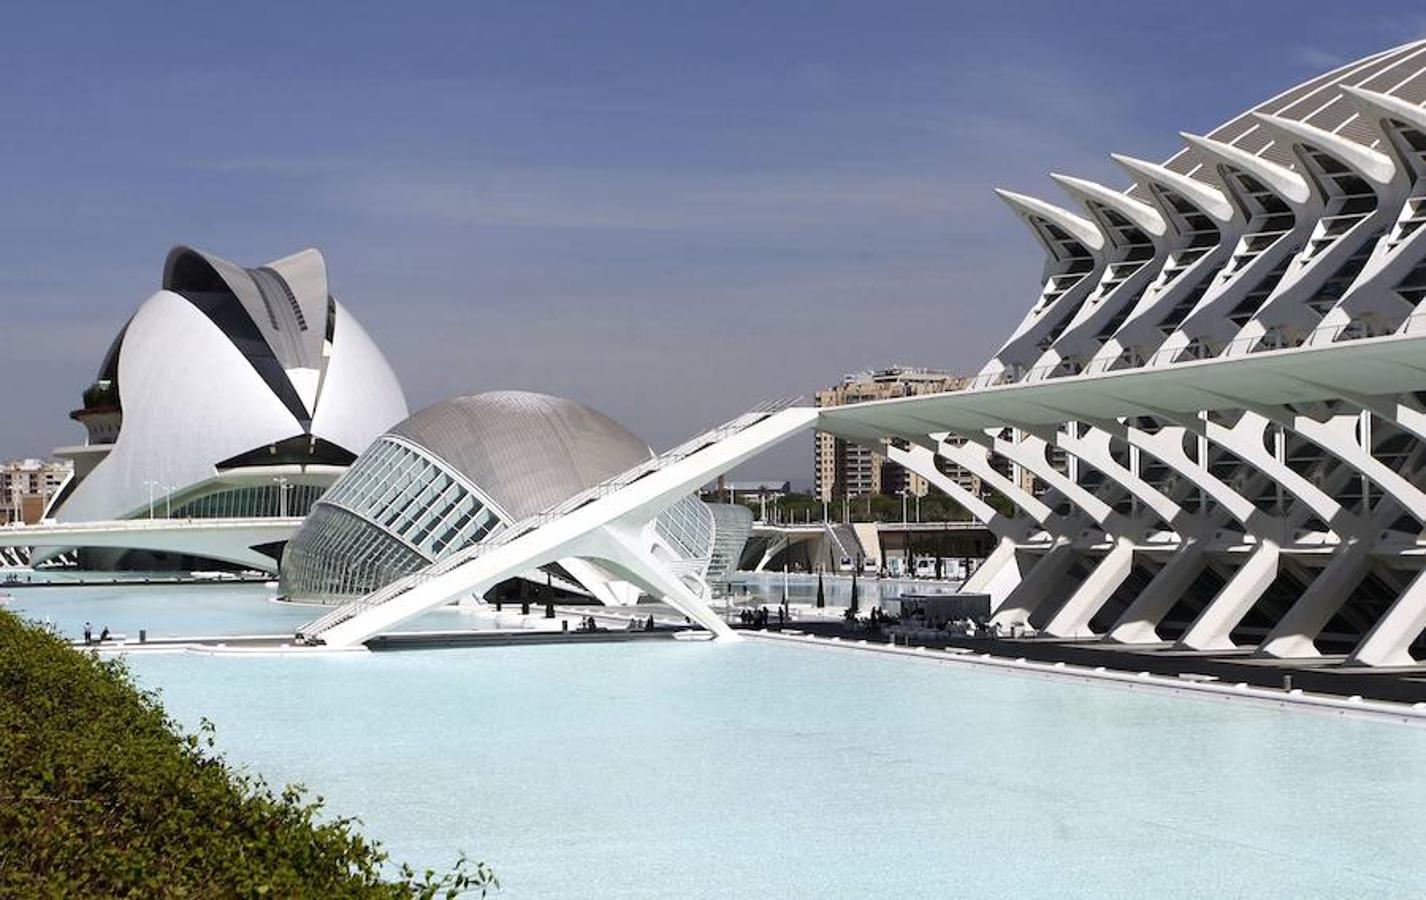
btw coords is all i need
(103, 794)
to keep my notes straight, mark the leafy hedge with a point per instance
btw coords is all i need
(102, 794)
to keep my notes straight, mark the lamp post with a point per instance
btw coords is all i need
(152, 484)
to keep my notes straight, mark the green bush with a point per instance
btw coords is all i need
(102, 794)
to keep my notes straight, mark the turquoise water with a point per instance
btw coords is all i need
(715, 770)
(750, 770)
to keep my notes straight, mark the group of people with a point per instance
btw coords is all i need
(588, 624)
(89, 634)
(760, 617)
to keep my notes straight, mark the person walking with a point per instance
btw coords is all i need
(88, 634)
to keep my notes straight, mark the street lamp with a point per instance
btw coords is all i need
(152, 484)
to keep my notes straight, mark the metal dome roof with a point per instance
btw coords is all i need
(526, 451)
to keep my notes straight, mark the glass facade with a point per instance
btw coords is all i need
(340, 555)
(395, 511)
(688, 528)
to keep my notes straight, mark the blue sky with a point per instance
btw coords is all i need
(666, 210)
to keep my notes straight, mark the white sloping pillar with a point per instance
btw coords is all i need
(1000, 572)
(1072, 619)
(605, 588)
(998, 575)
(1211, 630)
(1036, 586)
(1292, 637)
(1139, 623)
(1388, 643)
(624, 550)
(774, 547)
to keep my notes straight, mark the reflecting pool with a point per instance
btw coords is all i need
(709, 770)
(663, 769)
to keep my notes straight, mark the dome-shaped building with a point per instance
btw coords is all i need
(454, 473)
(230, 393)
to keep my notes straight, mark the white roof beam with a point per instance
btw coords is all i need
(1030, 208)
(1287, 184)
(1375, 167)
(1144, 216)
(1209, 199)
(1384, 112)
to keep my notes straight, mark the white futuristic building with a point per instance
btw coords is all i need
(231, 393)
(1231, 354)
(461, 470)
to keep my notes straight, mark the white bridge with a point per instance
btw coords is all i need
(229, 540)
(607, 525)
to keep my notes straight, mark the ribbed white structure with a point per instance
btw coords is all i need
(1210, 427)
(1228, 355)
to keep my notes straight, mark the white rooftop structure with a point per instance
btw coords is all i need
(230, 393)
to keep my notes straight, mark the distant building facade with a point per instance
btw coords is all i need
(27, 485)
(845, 469)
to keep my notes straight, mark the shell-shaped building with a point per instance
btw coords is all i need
(1213, 415)
(230, 393)
(461, 470)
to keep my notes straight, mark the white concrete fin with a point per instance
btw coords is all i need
(1080, 228)
(1387, 113)
(1374, 166)
(1141, 214)
(1205, 196)
(1284, 182)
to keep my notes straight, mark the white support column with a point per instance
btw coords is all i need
(1138, 624)
(1000, 572)
(1292, 637)
(625, 553)
(774, 547)
(1388, 643)
(1211, 630)
(1072, 619)
(1036, 586)
(998, 575)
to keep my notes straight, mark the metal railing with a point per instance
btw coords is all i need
(312, 631)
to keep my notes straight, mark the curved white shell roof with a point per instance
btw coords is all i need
(192, 396)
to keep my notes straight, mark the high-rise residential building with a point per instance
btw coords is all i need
(26, 486)
(845, 469)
